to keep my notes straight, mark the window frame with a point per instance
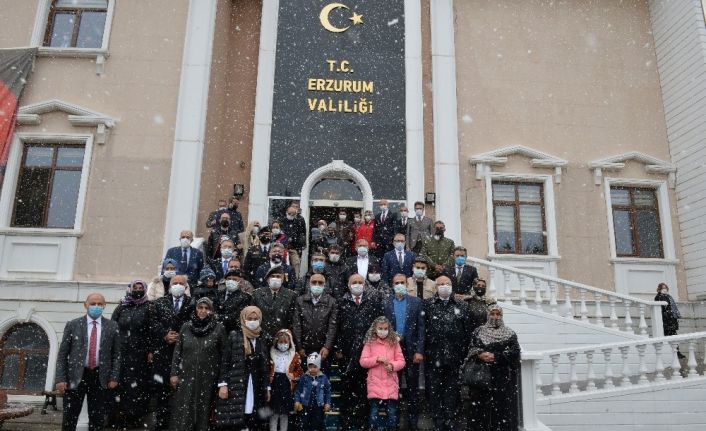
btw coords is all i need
(77, 12)
(516, 204)
(22, 353)
(548, 212)
(55, 154)
(632, 209)
(14, 165)
(664, 206)
(41, 30)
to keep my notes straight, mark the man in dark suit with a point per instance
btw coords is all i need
(276, 259)
(402, 222)
(462, 276)
(420, 228)
(397, 261)
(276, 303)
(257, 255)
(231, 301)
(220, 265)
(360, 263)
(88, 364)
(172, 310)
(189, 259)
(384, 232)
(406, 315)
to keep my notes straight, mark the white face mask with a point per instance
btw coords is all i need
(255, 230)
(252, 324)
(445, 291)
(419, 273)
(362, 251)
(400, 289)
(169, 274)
(418, 213)
(382, 333)
(342, 217)
(231, 285)
(177, 290)
(283, 347)
(185, 242)
(274, 283)
(374, 277)
(290, 217)
(367, 218)
(357, 289)
(227, 252)
(383, 207)
(356, 219)
(334, 257)
(403, 213)
(399, 245)
(276, 232)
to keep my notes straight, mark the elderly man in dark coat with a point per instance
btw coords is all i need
(275, 302)
(315, 322)
(231, 301)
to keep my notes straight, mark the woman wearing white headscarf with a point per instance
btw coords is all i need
(495, 406)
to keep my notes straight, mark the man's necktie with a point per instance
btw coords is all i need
(176, 305)
(93, 346)
(357, 300)
(225, 266)
(400, 258)
(184, 260)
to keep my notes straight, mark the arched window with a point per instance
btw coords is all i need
(24, 354)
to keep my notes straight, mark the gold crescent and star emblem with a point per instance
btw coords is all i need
(355, 19)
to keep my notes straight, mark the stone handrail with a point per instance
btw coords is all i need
(548, 289)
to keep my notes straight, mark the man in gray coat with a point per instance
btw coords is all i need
(419, 228)
(88, 364)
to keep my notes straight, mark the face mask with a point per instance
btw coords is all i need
(227, 252)
(332, 234)
(383, 207)
(479, 292)
(318, 265)
(95, 311)
(439, 231)
(403, 213)
(137, 294)
(664, 291)
(231, 285)
(185, 242)
(276, 259)
(275, 283)
(400, 289)
(264, 239)
(222, 208)
(177, 290)
(282, 347)
(276, 231)
(334, 257)
(252, 324)
(316, 290)
(290, 217)
(382, 333)
(225, 223)
(444, 291)
(362, 251)
(367, 218)
(255, 230)
(460, 260)
(342, 217)
(419, 273)
(356, 219)
(169, 274)
(322, 227)
(374, 277)
(418, 213)
(357, 289)
(399, 246)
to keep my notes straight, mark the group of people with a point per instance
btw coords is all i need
(216, 342)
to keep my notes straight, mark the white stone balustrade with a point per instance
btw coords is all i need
(576, 298)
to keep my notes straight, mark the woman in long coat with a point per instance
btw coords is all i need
(135, 317)
(195, 363)
(244, 375)
(496, 345)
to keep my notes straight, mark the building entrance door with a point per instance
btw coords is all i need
(328, 210)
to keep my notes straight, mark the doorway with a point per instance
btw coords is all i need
(328, 210)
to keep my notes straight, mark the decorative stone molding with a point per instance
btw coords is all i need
(485, 161)
(78, 116)
(616, 163)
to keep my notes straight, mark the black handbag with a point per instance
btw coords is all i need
(475, 374)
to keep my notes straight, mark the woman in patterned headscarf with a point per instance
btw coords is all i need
(495, 407)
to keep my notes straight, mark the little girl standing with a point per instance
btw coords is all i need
(284, 372)
(382, 356)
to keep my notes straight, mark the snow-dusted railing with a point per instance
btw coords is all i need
(547, 291)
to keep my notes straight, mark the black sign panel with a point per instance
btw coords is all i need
(339, 93)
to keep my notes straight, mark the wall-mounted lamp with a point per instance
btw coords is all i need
(430, 198)
(238, 190)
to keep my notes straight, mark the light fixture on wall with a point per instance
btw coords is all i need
(430, 198)
(238, 190)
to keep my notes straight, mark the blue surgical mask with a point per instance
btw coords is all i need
(460, 260)
(95, 311)
(362, 251)
(316, 290)
(400, 289)
(318, 265)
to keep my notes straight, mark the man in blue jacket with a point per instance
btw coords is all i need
(406, 315)
(189, 259)
(397, 261)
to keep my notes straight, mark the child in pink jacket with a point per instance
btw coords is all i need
(382, 356)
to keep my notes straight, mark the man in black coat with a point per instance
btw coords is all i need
(462, 276)
(447, 323)
(357, 311)
(360, 263)
(276, 302)
(88, 364)
(171, 312)
(295, 227)
(257, 255)
(276, 260)
(315, 320)
(231, 301)
(384, 231)
(222, 231)
(335, 268)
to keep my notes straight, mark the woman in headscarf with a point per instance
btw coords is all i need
(244, 375)
(250, 237)
(160, 284)
(135, 316)
(496, 406)
(195, 363)
(670, 312)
